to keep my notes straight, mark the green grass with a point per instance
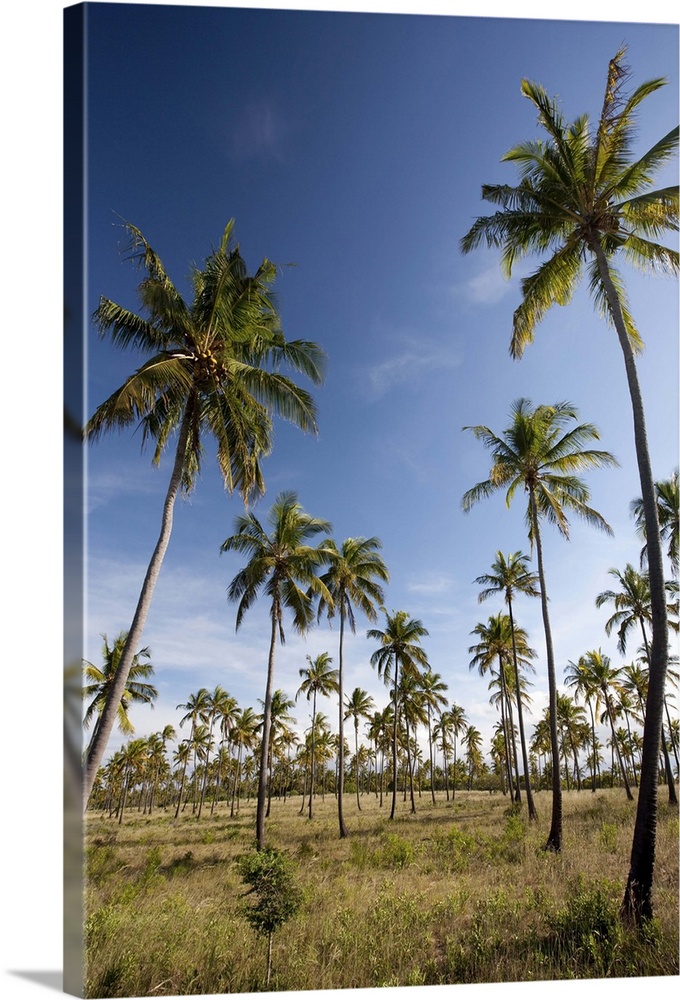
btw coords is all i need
(459, 893)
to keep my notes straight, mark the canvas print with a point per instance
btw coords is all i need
(371, 500)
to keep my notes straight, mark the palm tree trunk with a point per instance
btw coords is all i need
(108, 717)
(394, 740)
(637, 900)
(356, 758)
(341, 730)
(506, 739)
(311, 783)
(554, 842)
(533, 815)
(266, 727)
(429, 736)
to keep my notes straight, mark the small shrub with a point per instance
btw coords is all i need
(608, 836)
(588, 928)
(270, 877)
(396, 852)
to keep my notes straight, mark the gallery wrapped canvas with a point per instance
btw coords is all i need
(371, 550)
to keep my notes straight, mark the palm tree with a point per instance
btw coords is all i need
(181, 758)
(352, 580)
(633, 604)
(358, 706)
(220, 705)
(214, 366)
(668, 506)
(540, 455)
(582, 197)
(197, 710)
(399, 647)
(496, 643)
(510, 574)
(607, 679)
(101, 680)
(319, 679)
(580, 678)
(433, 688)
(281, 563)
(472, 739)
(243, 734)
(452, 724)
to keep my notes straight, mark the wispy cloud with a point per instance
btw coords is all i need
(487, 287)
(431, 585)
(260, 132)
(414, 358)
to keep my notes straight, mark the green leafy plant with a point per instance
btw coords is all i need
(270, 876)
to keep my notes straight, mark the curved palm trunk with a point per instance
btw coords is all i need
(266, 730)
(533, 815)
(394, 740)
(506, 740)
(341, 731)
(356, 758)
(311, 765)
(554, 842)
(637, 901)
(108, 717)
(429, 737)
(672, 797)
(593, 770)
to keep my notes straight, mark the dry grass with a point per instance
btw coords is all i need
(459, 893)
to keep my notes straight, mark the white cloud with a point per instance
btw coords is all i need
(261, 132)
(415, 358)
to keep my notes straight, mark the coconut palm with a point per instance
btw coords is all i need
(432, 687)
(318, 679)
(399, 648)
(452, 724)
(101, 681)
(358, 706)
(509, 575)
(668, 506)
(607, 679)
(214, 367)
(633, 606)
(197, 711)
(583, 199)
(579, 677)
(353, 580)
(472, 740)
(542, 451)
(220, 706)
(281, 564)
(495, 643)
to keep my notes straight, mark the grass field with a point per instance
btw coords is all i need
(458, 893)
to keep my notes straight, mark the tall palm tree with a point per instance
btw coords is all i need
(243, 734)
(633, 604)
(197, 711)
(472, 739)
(582, 197)
(579, 677)
(214, 367)
(221, 705)
(101, 680)
(318, 679)
(509, 575)
(495, 643)
(452, 724)
(358, 706)
(353, 579)
(281, 564)
(433, 688)
(607, 679)
(668, 506)
(399, 648)
(542, 451)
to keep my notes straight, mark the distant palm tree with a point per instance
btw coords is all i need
(197, 711)
(509, 575)
(358, 706)
(540, 452)
(213, 368)
(433, 688)
(101, 680)
(497, 641)
(472, 739)
(318, 679)
(580, 678)
(399, 647)
(668, 506)
(582, 198)
(353, 579)
(607, 678)
(243, 734)
(284, 565)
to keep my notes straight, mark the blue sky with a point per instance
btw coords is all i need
(354, 146)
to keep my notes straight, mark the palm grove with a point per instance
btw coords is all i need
(220, 366)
